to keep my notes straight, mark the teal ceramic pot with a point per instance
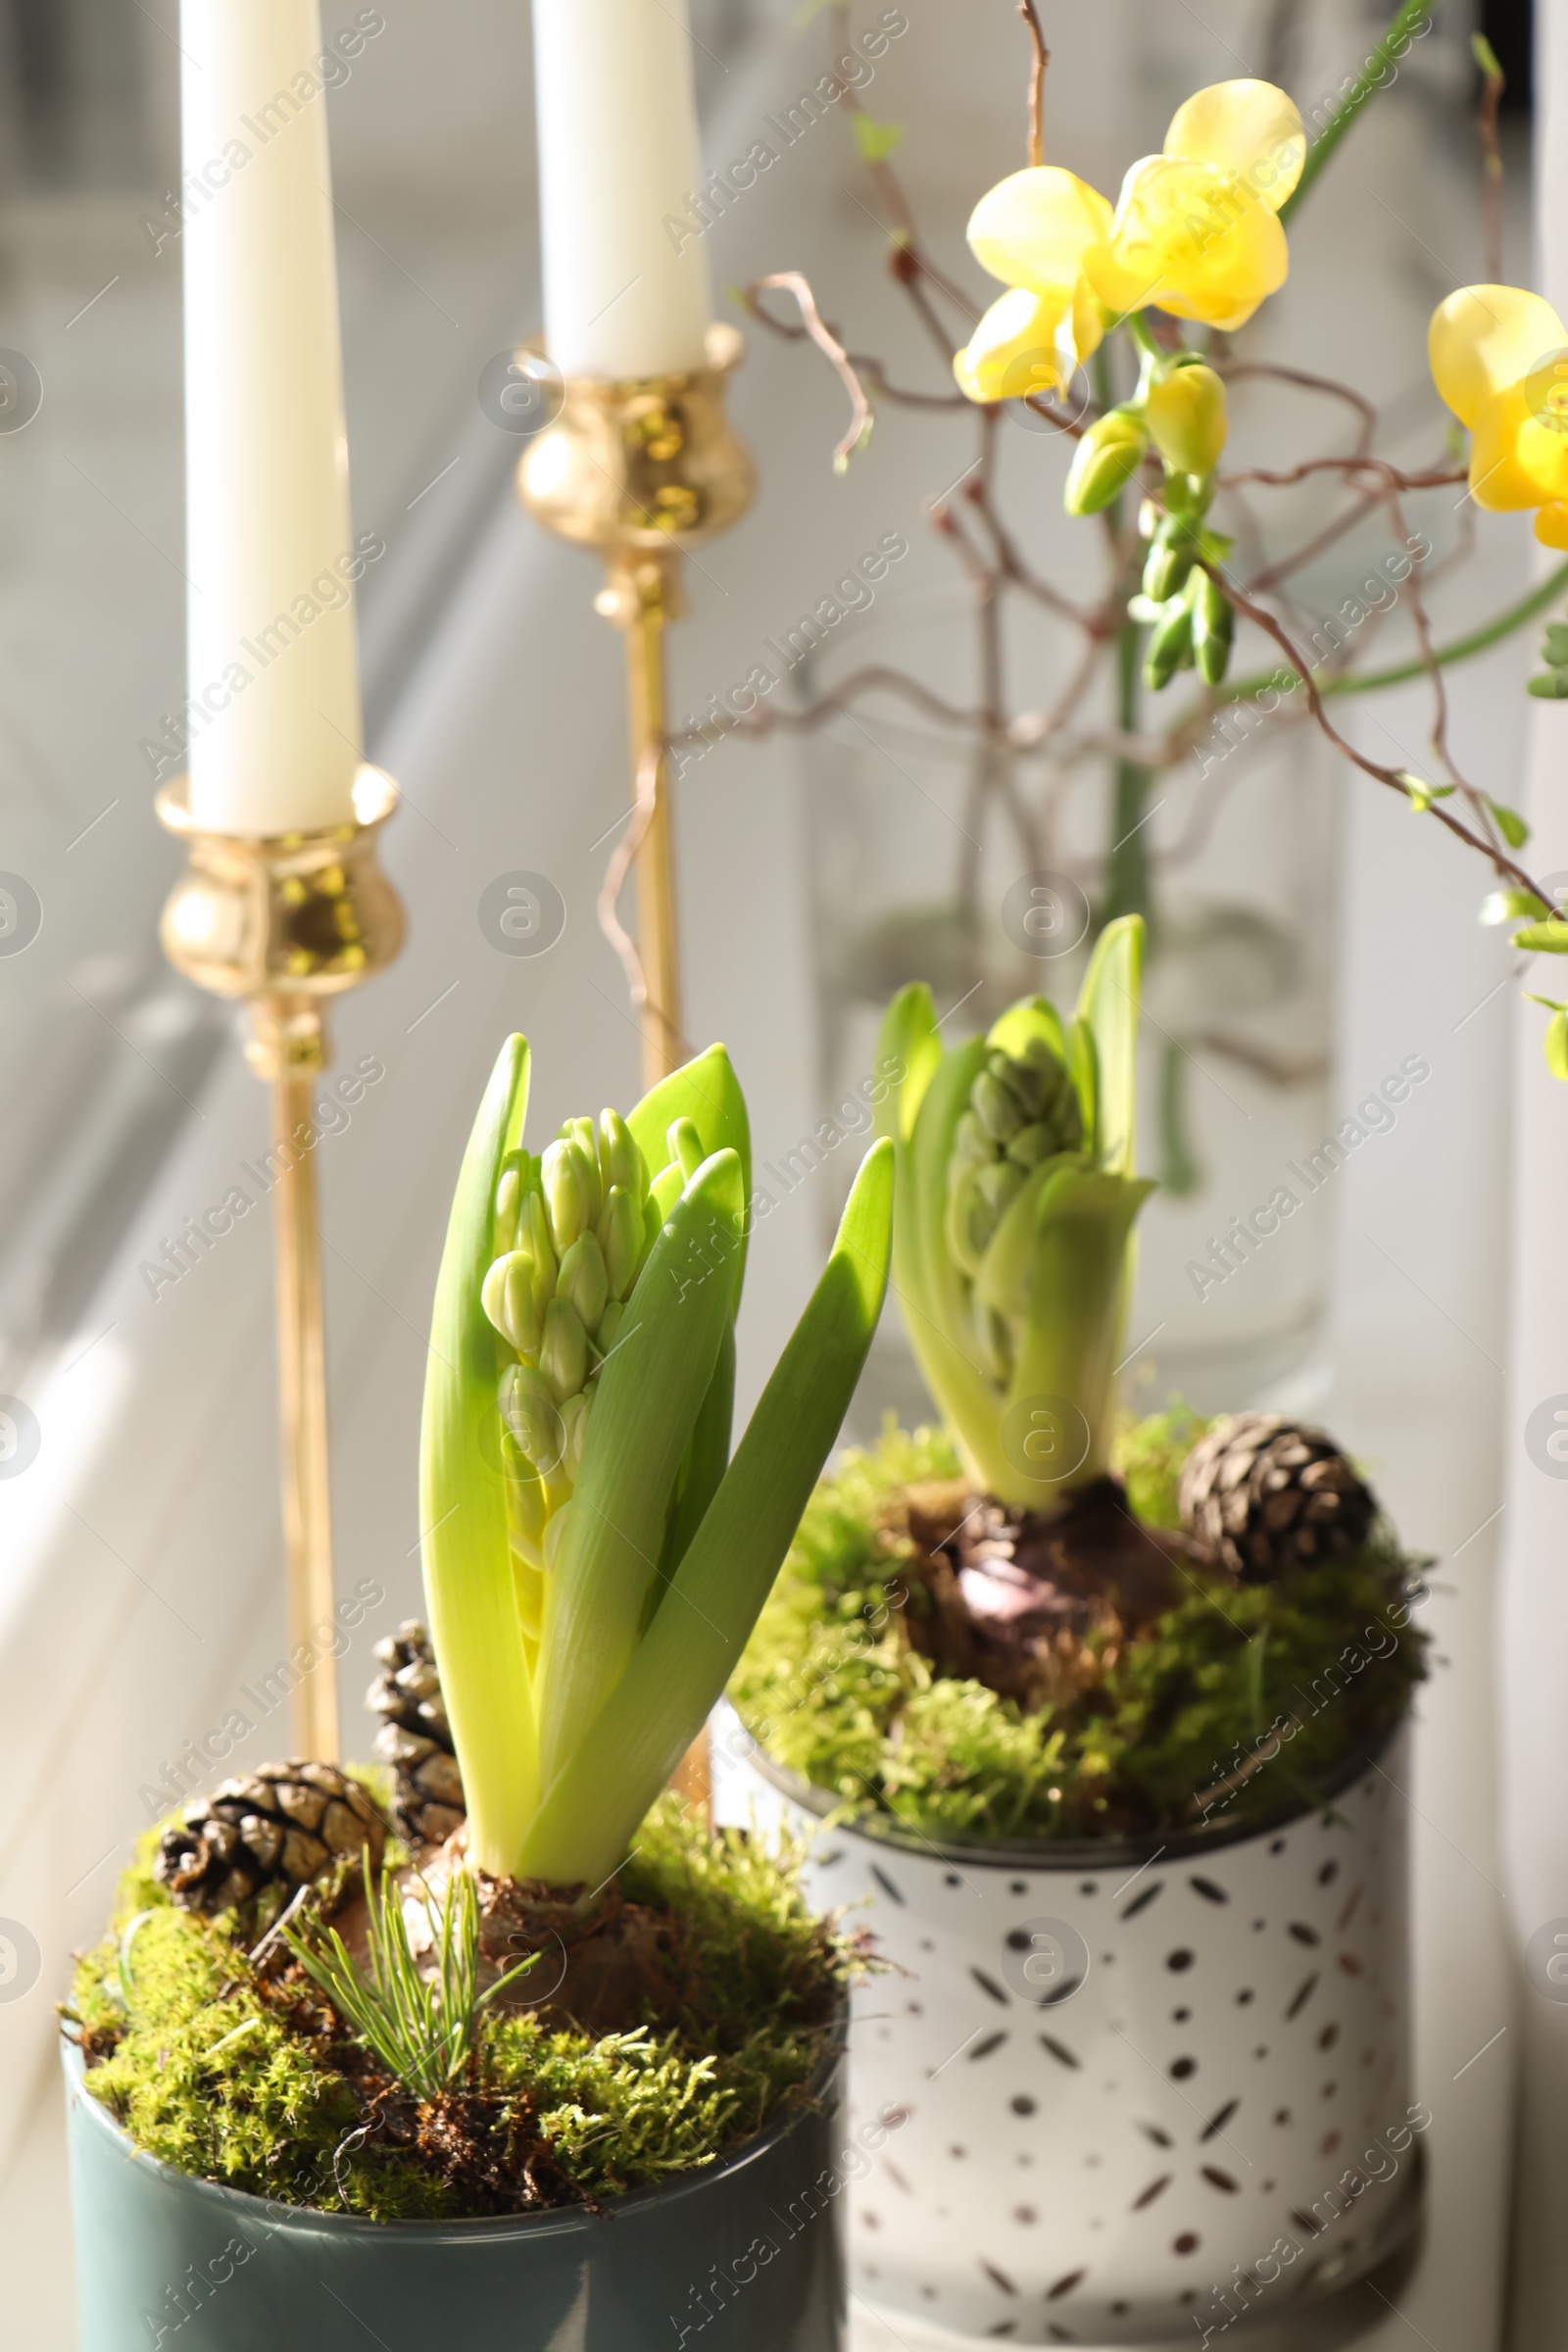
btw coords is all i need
(745, 2256)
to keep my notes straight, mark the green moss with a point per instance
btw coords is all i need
(202, 2069)
(1326, 1655)
(1174, 1729)
(621, 2112)
(256, 2084)
(1148, 1456)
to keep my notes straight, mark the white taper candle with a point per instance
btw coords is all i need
(274, 715)
(625, 293)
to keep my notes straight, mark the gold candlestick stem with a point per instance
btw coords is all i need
(657, 937)
(641, 470)
(285, 921)
(302, 1386)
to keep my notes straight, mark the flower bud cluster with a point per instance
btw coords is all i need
(573, 1229)
(1024, 1109)
(1191, 620)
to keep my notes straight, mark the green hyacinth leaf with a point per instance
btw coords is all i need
(707, 1461)
(909, 1041)
(1108, 1000)
(591, 1812)
(1031, 1018)
(932, 1289)
(707, 1092)
(649, 1392)
(469, 1594)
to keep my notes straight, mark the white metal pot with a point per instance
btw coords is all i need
(1135, 2087)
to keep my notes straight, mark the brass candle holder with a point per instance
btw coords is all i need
(284, 921)
(643, 468)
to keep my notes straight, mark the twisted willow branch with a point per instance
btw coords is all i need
(978, 535)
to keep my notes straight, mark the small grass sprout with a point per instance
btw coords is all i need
(423, 2027)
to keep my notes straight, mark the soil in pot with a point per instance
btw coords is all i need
(666, 2019)
(975, 1673)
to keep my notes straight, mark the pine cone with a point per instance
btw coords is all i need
(281, 1825)
(415, 1738)
(1269, 1495)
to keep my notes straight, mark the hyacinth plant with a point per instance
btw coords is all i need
(594, 1560)
(1017, 1201)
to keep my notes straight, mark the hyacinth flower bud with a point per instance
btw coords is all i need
(527, 1513)
(1059, 1106)
(995, 1106)
(574, 1420)
(510, 1187)
(533, 1417)
(610, 1323)
(533, 1232)
(998, 1186)
(619, 1161)
(1027, 1080)
(563, 1350)
(970, 1140)
(566, 1194)
(966, 1222)
(1213, 627)
(662, 1195)
(975, 1208)
(622, 1240)
(1104, 462)
(1031, 1144)
(514, 1297)
(686, 1146)
(585, 1136)
(582, 1281)
(1187, 420)
(1170, 646)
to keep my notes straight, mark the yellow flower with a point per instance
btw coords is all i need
(1032, 232)
(1028, 343)
(1194, 231)
(1499, 359)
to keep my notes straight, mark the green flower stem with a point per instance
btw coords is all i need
(1180, 1174)
(1128, 883)
(1478, 641)
(1143, 334)
(1127, 877)
(1364, 88)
